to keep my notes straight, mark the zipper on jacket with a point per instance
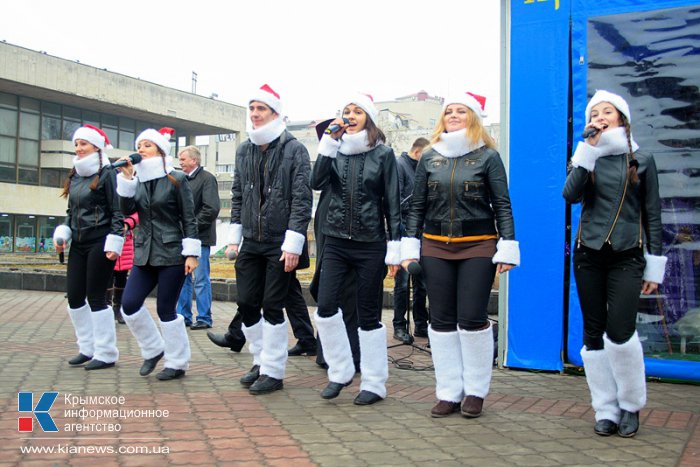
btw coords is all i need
(622, 201)
(452, 201)
(352, 196)
(640, 231)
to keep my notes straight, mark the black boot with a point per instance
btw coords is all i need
(303, 348)
(266, 384)
(150, 364)
(252, 376)
(98, 365)
(629, 424)
(170, 373)
(226, 340)
(79, 359)
(117, 304)
(605, 427)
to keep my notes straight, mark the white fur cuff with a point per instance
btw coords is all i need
(393, 252)
(507, 252)
(235, 233)
(191, 247)
(126, 188)
(585, 156)
(328, 146)
(410, 248)
(293, 242)
(63, 232)
(655, 269)
(114, 243)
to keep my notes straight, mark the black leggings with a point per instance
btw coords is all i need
(609, 283)
(143, 279)
(459, 292)
(89, 274)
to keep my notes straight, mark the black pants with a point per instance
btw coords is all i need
(401, 296)
(143, 279)
(88, 275)
(297, 312)
(261, 282)
(459, 292)
(609, 283)
(366, 261)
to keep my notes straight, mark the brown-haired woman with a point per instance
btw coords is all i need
(460, 225)
(166, 250)
(94, 226)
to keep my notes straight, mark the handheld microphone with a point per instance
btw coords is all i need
(61, 256)
(587, 133)
(415, 268)
(335, 127)
(135, 158)
(232, 255)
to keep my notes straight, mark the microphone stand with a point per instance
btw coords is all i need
(398, 362)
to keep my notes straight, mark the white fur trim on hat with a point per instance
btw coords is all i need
(160, 138)
(269, 97)
(293, 242)
(235, 233)
(507, 252)
(585, 156)
(393, 252)
(126, 188)
(191, 247)
(468, 99)
(114, 243)
(410, 248)
(605, 96)
(655, 269)
(63, 232)
(328, 146)
(92, 135)
(365, 102)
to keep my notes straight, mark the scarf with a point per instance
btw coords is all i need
(456, 144)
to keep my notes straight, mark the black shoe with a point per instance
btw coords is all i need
(169, 373)
(98, 365)
(266, 384)
(333, 390)
(366, 398)
(251, 377)
(299, 350)
(79, 359)
(200, 325)
(605, 428)
(629, 424)
(149, 365)
(225, 340)
(402, 335)
(118, 315)
(420, 332)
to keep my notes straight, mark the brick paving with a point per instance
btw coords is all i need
(530, 418)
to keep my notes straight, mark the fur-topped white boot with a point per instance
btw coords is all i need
(477, 366)
(447, 361)
(105, 332)
(601, 383)
(82, 325)
(177, 349)
(147, 335)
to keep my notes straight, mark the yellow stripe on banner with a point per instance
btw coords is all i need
(473, 238)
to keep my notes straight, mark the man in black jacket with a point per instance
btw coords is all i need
(205, 191)
(406, 165)
(271, 209)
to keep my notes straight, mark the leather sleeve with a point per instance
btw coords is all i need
(651, 208)
(416, 212)
(392, 197)
(500, 198)
(575, 185)
(302, 198)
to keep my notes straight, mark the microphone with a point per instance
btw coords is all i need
(587, 133)
(232, 255)
(61, 256)
(415, 269)
(335, 127)
(135, 158)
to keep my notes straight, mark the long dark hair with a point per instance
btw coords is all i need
(374, 134)
(93, 185)
(632, 163)
(165, 168)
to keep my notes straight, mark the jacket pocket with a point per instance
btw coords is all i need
(171, 237)
(433, 189)
(474, 190)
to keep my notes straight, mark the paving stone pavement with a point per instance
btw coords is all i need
(530, 418)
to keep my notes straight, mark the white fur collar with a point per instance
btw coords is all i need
(455, 144)
(354, 144)
(152, 168)
(89, 165)
(614, 141)
(268, 133)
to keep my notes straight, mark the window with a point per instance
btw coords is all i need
(51, 121)
(8, 157)
(71, 122)
(25, 238)
(6, 235)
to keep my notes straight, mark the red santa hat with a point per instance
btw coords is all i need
(161, 138)
(92, 135)
(269, 97)
(365, 102)
(605, 96)
(474, 101)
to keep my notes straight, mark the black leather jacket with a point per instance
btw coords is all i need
(166, 216)
(93, 214)
(364, 193)
(461, 197)
(287, 194)
(205, 192)
(613, 210)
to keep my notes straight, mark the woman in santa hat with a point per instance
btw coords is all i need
(166, 249)
(460, 226)
(94, 227)
(359, 173)
(617, 255)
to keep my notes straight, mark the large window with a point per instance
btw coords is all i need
(6, 232)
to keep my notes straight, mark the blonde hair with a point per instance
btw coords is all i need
(475, 130)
